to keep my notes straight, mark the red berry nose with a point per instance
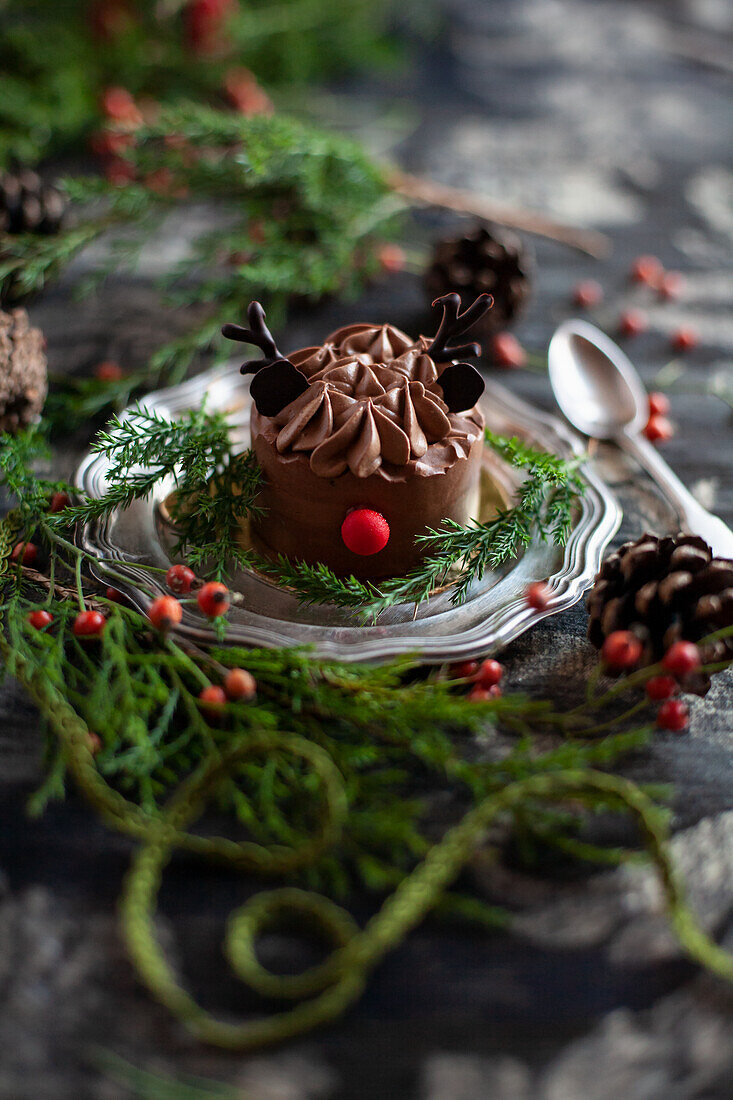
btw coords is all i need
(365, 532)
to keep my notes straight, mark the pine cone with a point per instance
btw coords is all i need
(665, 590)
(486, 259)
(27, 205)
(23, 382)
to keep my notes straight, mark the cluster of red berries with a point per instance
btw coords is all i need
(658, 428)
(213, 598)
(87, 624)
(483, 676)
(238, 686)
(621, 652)
(646, 271)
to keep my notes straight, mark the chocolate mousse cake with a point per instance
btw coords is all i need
(365, 441)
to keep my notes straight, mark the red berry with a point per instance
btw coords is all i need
(204, 21)
(109, 371)
(365, 532)
(59, 501)
(621, 650)
(479, 694)
(39, 619)
(463, 670)
(587, 293)
(89, 624)
(489, 673)
(391, 257)
(239, 685)
(684, 339)
(681, 658)
(165, 612)
(213, 599)
(658, 404)
(672, 285)
(94, 742)
(110, 18)
(180, 579)
(245, 94)
(111, 143)
(506, 351)
(658, 429)
(24, 552)
(117, 103)
(213, 697)
(538, 596)
(648, 270)
(673, 715)
(115, 595)
(660, 687)
(119, 172)
(633, 322)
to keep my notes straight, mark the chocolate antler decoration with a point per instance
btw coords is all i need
(455, 324)
(276, 381)
(259, 335)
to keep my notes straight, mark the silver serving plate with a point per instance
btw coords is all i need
(264, 614)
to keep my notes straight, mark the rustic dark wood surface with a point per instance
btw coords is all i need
(594, 111)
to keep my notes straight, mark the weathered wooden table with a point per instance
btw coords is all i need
(594, 112)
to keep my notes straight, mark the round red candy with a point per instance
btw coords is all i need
(365, 532)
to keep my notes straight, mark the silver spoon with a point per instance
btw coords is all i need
(601, 394)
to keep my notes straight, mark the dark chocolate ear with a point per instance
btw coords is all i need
(462, 385)
(275, 386)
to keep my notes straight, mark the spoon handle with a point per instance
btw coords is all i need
(695, 519)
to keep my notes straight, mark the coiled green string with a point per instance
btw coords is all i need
(326, 990)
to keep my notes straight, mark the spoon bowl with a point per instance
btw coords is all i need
(594, 382)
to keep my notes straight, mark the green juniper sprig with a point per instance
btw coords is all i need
(56, 60)
(214, 487)
(298, 213)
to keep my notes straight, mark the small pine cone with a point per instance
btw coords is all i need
(665, 590)
(27, 205)
(484, 260)
(23, 382)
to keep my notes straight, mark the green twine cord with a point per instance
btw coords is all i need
(324, 991)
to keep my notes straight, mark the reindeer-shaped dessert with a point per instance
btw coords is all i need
(369, 424)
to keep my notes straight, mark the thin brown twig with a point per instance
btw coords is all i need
(429, 193)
